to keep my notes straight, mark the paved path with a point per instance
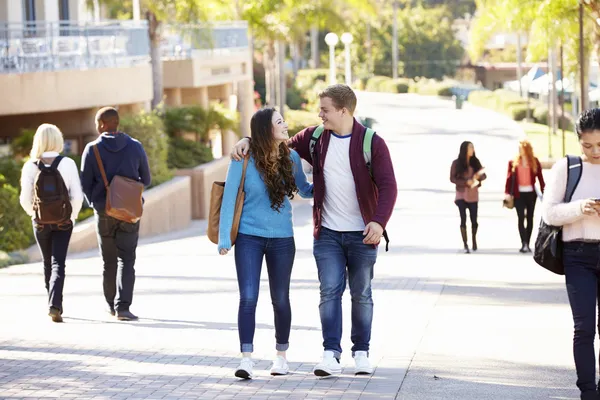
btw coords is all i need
(490, 325)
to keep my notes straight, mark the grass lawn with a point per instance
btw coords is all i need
(538, 136)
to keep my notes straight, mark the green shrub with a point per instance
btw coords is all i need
(540, 114)
(199, 121)
(374, 84)
(11, 170)
(22, 144)
(431, 87)
(306, 78)
(178, 120)
(400, 85)
(518, 112)
(16, 232)
(298, 120)
(312, 96)
(445, 90)
(187, 154)
(295, 98)
(148, 128)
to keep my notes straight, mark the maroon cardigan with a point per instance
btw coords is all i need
(376, 197)
(515, 182)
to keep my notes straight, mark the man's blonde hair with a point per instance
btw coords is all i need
(47, 138)
(341, 96)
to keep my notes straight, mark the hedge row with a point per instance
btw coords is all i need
(516, 107)
(429, 87)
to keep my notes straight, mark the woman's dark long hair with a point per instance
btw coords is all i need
(275, 168)
(462, 166)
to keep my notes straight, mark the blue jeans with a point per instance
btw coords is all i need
(340, 255)
(279, 254)
(582, 274)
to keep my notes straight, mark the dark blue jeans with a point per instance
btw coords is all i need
(279, 254)
(342, 255)
(582, 274)
(53, 242)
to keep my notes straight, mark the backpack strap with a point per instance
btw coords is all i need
(56, 161)
(574, 171)
(367, 144)
(42, 165)
(313, 140)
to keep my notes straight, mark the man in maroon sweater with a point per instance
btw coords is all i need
(350, 212)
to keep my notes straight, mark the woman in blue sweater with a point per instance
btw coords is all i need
(273, 174)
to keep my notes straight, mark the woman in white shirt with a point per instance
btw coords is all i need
(53, 201)
(580, 220)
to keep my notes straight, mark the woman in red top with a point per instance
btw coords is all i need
(520, 186)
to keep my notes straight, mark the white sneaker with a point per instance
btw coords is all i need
(362, 365)
(328, 366)
(244, 370)
(280, 366)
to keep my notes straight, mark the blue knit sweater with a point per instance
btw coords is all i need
(258, 218)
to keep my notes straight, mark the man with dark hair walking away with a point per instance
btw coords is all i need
(114, 155)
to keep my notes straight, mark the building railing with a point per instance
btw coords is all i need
(219, 38)
(50, 46)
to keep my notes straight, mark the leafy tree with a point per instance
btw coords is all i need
(427, 44)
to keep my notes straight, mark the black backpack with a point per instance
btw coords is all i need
(51, 200)
(548, 251)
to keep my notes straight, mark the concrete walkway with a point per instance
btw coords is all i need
(490, 325)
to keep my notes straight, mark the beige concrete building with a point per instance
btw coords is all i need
(58, 66)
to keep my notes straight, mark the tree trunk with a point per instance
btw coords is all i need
(269, 64)
(519, 63)
(155, 59)
(297, 56)
(369, 46)
(280, 76)
(314, 46)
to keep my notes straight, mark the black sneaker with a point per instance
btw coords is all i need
(126, 316)
(110, 309)
(55, 314)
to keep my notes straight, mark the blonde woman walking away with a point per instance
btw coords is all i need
(51, 194)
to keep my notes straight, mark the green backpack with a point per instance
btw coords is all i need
(367, 142)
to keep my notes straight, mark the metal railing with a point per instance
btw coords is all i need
(187, 41)
(50, 46)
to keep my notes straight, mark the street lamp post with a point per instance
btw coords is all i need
(347, 39)
(395, 41)
(331, 39)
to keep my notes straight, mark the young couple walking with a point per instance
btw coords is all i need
(354, 194)
(52, 194)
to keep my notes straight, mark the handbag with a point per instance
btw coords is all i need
(510, 203)
(548, 251)
(216, 201)
(123, 195)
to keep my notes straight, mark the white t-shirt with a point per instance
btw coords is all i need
(341, 211)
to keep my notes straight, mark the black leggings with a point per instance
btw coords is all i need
(462, 209)
(525, 205)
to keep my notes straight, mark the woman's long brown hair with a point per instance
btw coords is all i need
(274, 167)
(528, 149)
